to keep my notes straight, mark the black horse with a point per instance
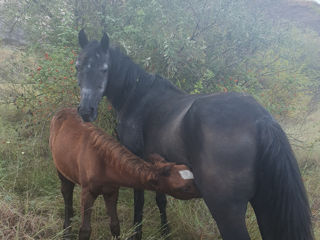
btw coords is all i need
(236, 150)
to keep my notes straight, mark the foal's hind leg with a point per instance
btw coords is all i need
(67, 193)
(162, 203)
(111, 200)
(87, 200)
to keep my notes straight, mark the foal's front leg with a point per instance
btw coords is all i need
(67, 193)
(87, 200)
(111, 200)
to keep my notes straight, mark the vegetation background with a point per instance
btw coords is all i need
(270, 49)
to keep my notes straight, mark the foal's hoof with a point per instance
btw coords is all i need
(84, 234)
(115, 238)
(165, 232)
(67, 234)
(137, 236)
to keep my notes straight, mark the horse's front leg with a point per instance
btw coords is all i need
(138, 213)
(111, 200)
(87, 200)
(162, 204)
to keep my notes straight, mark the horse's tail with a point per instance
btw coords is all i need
(280, 203)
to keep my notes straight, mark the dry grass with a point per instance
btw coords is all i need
(16, 223)
(305, 137)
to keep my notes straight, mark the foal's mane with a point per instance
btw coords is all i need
(114, 153)
(107, 147)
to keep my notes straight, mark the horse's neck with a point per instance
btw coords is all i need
(129, 84)
(123, 77)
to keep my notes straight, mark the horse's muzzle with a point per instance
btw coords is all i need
(87, 115)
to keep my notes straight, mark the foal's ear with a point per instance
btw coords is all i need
(105, 42)
(166, 170)
(155, 158)
(153, 182)
(83, 40)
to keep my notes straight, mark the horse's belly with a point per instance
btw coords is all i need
(163, 133)
(167, 142)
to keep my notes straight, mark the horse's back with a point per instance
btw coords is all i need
(227, 110)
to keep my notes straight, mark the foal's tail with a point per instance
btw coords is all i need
(281, 203)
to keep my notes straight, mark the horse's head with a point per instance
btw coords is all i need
(175, 180)
(92, 71)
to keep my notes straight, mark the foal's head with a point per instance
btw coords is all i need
(175, 180)
(92, 70)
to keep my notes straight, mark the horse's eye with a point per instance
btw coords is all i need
(104, 68)
(77, 65)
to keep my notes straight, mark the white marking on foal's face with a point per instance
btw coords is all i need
(186, 174)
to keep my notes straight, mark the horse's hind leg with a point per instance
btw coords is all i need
(87, 200)
(110, 200)
(230, 218)
(162, 203)
(67, 193)
(226, 194)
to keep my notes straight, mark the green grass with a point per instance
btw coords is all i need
(31, 206)
(30, 194)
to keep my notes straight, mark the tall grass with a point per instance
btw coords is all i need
(31, 206)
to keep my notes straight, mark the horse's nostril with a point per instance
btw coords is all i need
(91, 110)
(85, 117)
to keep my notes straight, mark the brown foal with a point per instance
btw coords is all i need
(85, 155)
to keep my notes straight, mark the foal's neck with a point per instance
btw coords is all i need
(123, 167)
(131, 171)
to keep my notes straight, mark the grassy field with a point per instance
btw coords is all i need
(31, 206)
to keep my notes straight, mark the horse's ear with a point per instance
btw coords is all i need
(83, 40)
(105, 42)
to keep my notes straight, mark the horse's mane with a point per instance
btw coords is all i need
(134, 78)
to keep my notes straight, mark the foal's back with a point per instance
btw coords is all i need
(69, 143)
